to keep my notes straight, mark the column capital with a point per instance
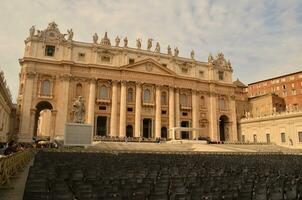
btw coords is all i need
(65, 77)
(115, 81)
(138, 84)
(31, 75)
(123, 83)
(93, 80)
(159, 87)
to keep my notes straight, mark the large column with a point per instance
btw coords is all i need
(171, 111)
(233, 131)
(25, 118)
(213, 117)
(138, 110)
(53, 124)
(177, 107)
(195, 109)
(157, 112)
(113, 117)
(91, 104)
(122, 132)
(62, 106)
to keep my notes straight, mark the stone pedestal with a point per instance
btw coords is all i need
(78, 134)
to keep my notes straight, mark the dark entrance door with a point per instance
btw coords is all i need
(101, 129)
(184, 134)
(223, 129)
(147, 125)
(129, 131)
(164, 132)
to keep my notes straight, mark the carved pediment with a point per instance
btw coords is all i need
(149, 66)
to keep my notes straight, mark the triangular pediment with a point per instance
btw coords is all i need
(148, 66)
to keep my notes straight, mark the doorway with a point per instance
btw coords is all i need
(185, 134)
(163, 132)
(101, 127)
(129, 131)
(43, 119)
(147, 128)
(223, 128)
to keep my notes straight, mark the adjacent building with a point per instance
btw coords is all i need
(7, 111)
(127, 91)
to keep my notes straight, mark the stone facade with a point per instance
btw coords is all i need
(126, 91)
(7, 111)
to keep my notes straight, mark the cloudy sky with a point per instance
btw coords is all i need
(262, 38)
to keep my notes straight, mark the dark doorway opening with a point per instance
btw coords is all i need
(43, 105)
(185, 134)
(147, 128)
(101, 127)
(129, 131)
(163, 132)
(223, 127)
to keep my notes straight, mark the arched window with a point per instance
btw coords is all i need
(183, 100)
(130, 95)
(79, 90)
(147, 95)
(45, 88)
(202, 102)
(164, 98)
(103, 92)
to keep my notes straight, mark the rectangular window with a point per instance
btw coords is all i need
(268, 138)
(81, 56)
(184, 70)
(255, 138)
(164, 65)
(283, 139)
(105, 59)
(50, 50)
(102, 107)
(131, 61)
(201, 74)
(220, 75)
(300, 136)
(184, 114)
(129, 109)
(163, 112)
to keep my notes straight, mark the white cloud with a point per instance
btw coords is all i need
(261, 38)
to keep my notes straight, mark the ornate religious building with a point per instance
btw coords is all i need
(126, 91)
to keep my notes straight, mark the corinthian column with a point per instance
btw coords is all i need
(171, 110)
(195, 108)
(157, 113)
(138, 109)
(177, 111)
(123, 110)
(91, 103)
(113, 117)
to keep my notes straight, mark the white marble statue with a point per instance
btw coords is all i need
(117, 41)
(138, 43)
(149, 44)
(79, 111)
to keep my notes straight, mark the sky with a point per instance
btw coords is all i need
(262, 38)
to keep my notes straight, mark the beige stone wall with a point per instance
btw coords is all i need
(289, 123)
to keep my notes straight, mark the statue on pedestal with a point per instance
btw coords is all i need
(138, 43)
(32, 31)
(149, 44)
(117, 41)
(70, 34)
(79, 111)
(126, 42)
(192, 54)
(157, 48)
(176, 52)
(169, 50)
(95, 38)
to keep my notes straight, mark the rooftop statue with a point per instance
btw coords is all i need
(176, 52)
(157, 48)
(95, 38)
(70, 34)
(192, 54)
(117, 41)
(126, 42)
(169, 50)
(210, 58)
(32, 31)
(149, 44)
(105, 40)
(138, 43)
(79, 111)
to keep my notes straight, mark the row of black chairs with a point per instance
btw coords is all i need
(69, 176)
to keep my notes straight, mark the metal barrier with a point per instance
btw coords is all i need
(9, 165)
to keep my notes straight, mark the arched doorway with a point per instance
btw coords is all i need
(101, 126)
(223, 128)
(163, 132)
(129, 131)
(43, 119)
